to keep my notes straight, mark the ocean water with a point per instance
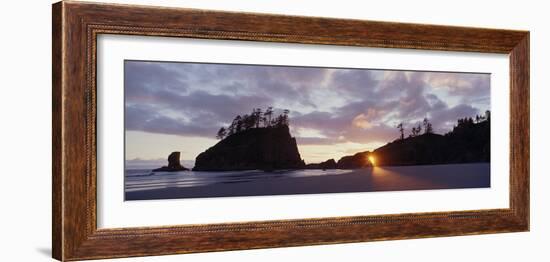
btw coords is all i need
(142, 184)
(145, 179)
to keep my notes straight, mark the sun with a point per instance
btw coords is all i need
(372, 160)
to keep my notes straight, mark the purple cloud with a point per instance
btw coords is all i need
(342, 105)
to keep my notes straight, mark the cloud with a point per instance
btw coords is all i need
(343, 105)
(354, 82)
(196, 114)
(444, 120)
(459, 84)
(316, 141)
(365, 121)
(381, 133)
(143, 79)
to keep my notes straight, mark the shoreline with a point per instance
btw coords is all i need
(371, 179)
(298, 169)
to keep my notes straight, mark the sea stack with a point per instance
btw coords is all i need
(267, 148)
(173, 164)
(329, 164)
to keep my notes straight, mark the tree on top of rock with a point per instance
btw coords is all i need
(221, 133)
(401, 131)
(256, 119)
(427, 126)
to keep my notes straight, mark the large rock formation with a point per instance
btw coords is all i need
(268, 148)
(357, 160)
(468, 143)
(173, 164)
(329, 164)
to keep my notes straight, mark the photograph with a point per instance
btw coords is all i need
(196, 130)
(208, 131)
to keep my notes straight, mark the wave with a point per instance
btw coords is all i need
(145, 179)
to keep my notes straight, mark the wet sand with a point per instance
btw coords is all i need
(476, 175)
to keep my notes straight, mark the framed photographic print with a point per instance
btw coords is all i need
(182, 130)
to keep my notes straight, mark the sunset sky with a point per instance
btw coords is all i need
(333, 112)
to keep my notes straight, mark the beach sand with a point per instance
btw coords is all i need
(476, 175)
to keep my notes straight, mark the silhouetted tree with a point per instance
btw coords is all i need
(248, 121)
(285, 117)
(257, 114)
(221, 133)
(466, 124)
(416, 131)
(488, 115)
(278, 122)
(231, 128)
(238, 124)
(413, 132)
(428, 126)
(401, 130)
(256, 119)
(267, 116)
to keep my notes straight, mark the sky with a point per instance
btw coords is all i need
(334, 112)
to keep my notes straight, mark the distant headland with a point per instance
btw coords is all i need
(262, 141)
(468, 142)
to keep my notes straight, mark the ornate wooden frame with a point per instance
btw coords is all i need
(76, 26)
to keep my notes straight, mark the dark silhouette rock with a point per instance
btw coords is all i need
(467, 143)
(173, 164)
(427, 149)
(358, 160)
(329, 164)
(267, 148)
